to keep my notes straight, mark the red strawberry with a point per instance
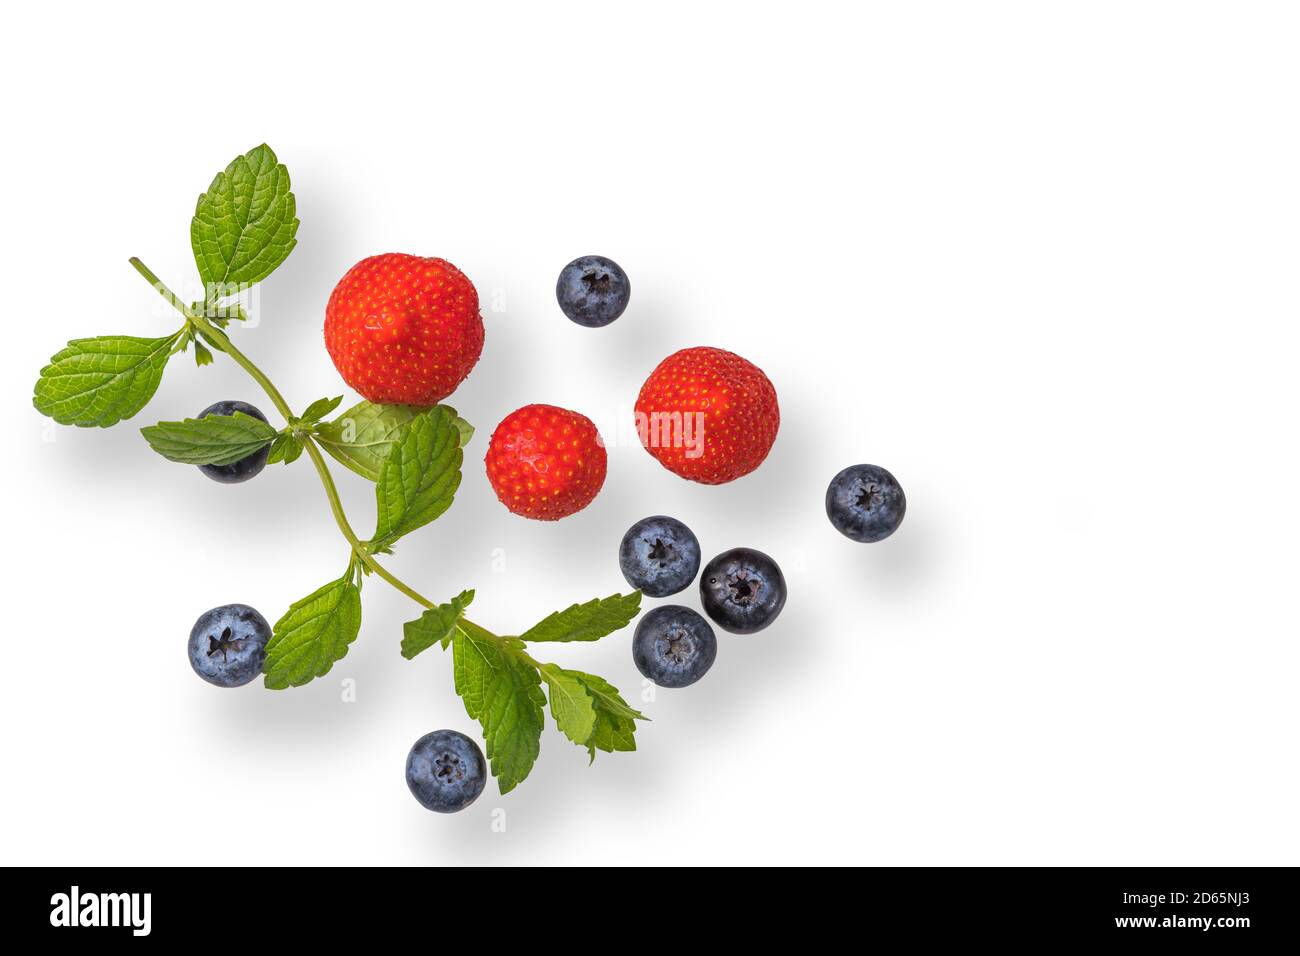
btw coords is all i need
(545, 462)
(708, 415)
(403, 330)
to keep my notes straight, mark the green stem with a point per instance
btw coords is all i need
(223, 342)
(219, 337)
(341, 519)
(157, 283)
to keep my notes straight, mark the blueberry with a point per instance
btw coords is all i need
(245, 468)
(445, 771)
(743, 590)
(228, 645)
(593, 291)
(674, 646)
(659, 555)
(865, 503)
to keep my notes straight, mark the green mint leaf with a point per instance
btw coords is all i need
(362, 437)
(615, 724)
(589, 710)
(320, 408)
(571, 705)
(211, 440)
(244, 225)
(502, 691)
(435, 626)
(419, 477)
(313, 634)
(202, 356)
(586, 622)
(286, 448)
(277, 449)
(103, 380)
(465, 429)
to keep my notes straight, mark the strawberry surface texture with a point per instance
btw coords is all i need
(404, 330)
(708, 415)
(545, 462)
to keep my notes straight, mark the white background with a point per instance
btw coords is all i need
(1039, 260)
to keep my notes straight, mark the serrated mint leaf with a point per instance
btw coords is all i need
(103, 380)
(313, 634)
(419, 477)
(320, 408)
(589, 710)
(571, 705)
(615, 725)
(211, 440)
(502, 691)
(202, 356)
(244, 225)
(435, 626)
(586, 622)
(362, 437)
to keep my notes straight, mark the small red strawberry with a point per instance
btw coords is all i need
(403, 330)
(545, 462)
(708, 415)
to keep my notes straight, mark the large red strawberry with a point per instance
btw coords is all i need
(403, 330)
(545, 462)
(708, 415)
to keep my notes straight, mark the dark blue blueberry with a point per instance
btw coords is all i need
(659, 555)
(865, 503)
(228, 645)
(593, 291)
(743, 590)
(445, 771)
(674, 646)
(245, 468)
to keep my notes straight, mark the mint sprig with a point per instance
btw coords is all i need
(289, 444)
(243, 227)
(500, 684)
